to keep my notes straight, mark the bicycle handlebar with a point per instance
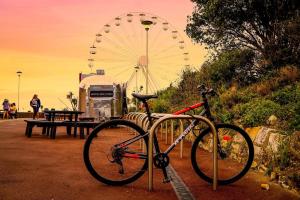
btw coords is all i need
(205, 90)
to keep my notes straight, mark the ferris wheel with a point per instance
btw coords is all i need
(141, 49)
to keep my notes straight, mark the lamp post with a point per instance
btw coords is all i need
(147, 24)
(19, 81)
(136, 86)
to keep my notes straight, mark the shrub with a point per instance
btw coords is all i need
(225, 116)
(295, 119)
(246, 95)
(285, 95)
(266, 87)
(160, 106)
(229, 98)
(230, 66)
(288, 74)
(256, 112)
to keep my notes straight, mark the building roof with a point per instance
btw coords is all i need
(96, 80)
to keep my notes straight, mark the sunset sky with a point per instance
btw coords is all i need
(49, 40)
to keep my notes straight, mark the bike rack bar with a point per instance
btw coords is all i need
(150, 146)
(181, 142)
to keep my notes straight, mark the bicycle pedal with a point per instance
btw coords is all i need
(167, 180)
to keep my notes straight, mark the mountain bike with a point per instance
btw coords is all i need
(113, 152)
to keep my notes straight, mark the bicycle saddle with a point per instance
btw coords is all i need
(144, 97)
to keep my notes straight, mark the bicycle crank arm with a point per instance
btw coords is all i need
(166, 179)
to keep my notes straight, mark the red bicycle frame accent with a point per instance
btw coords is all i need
(188, 108)
(129, 155)
(137, 156)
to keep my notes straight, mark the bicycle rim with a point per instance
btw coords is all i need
(109, 160)
(235, 154)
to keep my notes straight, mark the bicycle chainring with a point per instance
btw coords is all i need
(161, 160)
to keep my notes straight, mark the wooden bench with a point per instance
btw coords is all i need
(49, 127)
(87, 125)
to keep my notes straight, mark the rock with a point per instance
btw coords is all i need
(285, 186)
(254, 165)
(295, 145)
(262, 168)
(272, 120)
(252, 132)
(273, 176)
(275, 139)
(265, 186)
(262, 136)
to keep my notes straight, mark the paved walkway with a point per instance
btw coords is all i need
(39, 168)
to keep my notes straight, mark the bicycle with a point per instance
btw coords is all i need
(124, 160)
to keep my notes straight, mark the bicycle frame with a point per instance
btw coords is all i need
(206, 112)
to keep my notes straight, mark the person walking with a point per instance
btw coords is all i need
(35, 103)
(5, 105)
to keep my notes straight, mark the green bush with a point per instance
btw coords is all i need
(160, 106)
(295, 119)
(256, 112)
(285, 95)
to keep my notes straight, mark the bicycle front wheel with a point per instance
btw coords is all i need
(115, 153)
(235, 154)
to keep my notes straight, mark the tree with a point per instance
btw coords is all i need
(234, 66)
(73, 100)
(260, 25)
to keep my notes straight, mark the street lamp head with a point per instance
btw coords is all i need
(147, 24)
(19, 73)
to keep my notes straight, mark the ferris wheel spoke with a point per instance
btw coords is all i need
(111, 51)
(128, 47)
(164, 73)
(131, 41)
(169, 56)
(166, 62)
(117, 66)
(118, 47)
(113, 60)
(123, 71)
(163, 40)
(164, 50)
(136, 39)
(151, 81)
(155, 39)
(131, 77)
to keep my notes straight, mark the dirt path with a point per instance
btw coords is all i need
(38, 168)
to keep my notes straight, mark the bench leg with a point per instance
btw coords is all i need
(75, 130)
(48, 130)
(29, 130)
(69, 130)
(53, 132)
(81, 129)
(44, 130)
(88, 131)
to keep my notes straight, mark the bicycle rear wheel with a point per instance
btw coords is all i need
(115, 153)
(235, 154)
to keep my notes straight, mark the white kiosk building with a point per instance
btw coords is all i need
(100, 97)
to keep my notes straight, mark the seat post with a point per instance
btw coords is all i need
(148, 112)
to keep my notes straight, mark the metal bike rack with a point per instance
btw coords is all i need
(150, 146)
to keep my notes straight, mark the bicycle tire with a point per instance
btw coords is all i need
(237, 176)
(96, 133)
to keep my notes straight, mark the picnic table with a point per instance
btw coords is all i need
(50, 116)
(56, 118)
